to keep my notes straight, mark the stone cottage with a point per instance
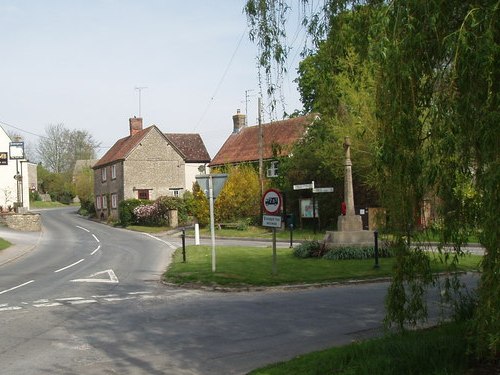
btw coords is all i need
(147, 164)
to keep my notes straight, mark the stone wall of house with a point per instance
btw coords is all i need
(24, 222)
(108, 188)
(154, 165)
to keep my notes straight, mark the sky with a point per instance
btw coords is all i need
(79, 63)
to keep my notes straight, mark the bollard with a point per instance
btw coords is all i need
(291, 235)
(183, 236)
(375, 235)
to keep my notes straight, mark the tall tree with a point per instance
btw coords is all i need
(437, 107)
(61, 148)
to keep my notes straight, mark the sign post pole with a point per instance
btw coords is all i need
(212, 220)
(274, 253)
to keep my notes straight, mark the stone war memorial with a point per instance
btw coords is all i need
(349, 225)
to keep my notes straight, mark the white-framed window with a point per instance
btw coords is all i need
(103, 174)
(114, 200)
(113, 171)
(104, 202)
(98, 204)
(272, 171)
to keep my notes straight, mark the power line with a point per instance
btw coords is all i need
(21, 130)
(212, 98)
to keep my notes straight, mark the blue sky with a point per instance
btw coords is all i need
(77, 62)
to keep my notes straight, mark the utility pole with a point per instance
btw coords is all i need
(140, 88)
(261, 148)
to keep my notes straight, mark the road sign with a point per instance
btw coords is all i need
(272, 221)
(303, 186)
(323, 190)
(218, 181)
(272, 202)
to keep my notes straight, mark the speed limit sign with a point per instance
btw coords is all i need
(272, 202)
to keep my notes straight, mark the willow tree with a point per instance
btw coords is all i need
(438, 112)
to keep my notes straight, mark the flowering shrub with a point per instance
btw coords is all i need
(147, 214)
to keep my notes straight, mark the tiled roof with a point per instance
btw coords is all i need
(191, 146)
(244, 146)
(121, 148)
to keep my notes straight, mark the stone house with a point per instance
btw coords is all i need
(147, 164)
(278, 138)
(17, 175)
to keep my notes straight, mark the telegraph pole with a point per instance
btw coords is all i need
(261, 148)
(140, 88)
(246, 105)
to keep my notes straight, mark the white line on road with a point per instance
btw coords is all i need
(70, 299)
(95, 251)
(134, 293)
(105, 296)
(86, 230)
(71, 265)
(97, 239)
(118, 299)
(91, 279)
(19, 286)
(48, 304)
(165, 242)
(12, 308)
(83, 301)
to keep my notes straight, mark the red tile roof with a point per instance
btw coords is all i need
(190, 147)
(244, 146)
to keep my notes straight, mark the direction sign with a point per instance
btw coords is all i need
(323, 190)
(272, 202)
(303, 186)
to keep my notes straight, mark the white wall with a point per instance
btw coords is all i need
(8, 185)
(191, 173)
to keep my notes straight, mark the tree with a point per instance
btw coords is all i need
(84, 188)
(61, 148)
(436, 86)
(240, 197)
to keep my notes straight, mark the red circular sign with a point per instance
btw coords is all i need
(272, 202)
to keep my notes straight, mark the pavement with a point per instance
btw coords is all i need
(22, 244)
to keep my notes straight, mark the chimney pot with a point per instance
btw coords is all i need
(135, 125)
(239, 121)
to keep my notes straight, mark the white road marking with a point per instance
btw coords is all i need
(69, 299)
(71, 265)
(12, 308)
(96, 250)
(84, 301)
(4, 304)
(133, 293)
(105, 296)
(49, 304)
(118, 299)
(86, 230)
(19, 286)
(97, 239)
(165, 242)
(41, 301)
(112, 278)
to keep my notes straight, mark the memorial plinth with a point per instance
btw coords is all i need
(349, 226)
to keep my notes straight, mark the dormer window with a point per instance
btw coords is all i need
(272, 171)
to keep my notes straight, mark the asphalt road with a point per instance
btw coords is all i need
(108, 313)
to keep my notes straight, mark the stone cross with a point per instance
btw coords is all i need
(348, 191)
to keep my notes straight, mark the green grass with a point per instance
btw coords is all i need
(436, 351)
(4, 244)
(250, 266)
(148, 229)
(40, 204)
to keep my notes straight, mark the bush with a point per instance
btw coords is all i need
(309, 249)
(126, 210)
(353, 252)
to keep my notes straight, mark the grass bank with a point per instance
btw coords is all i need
(251, 266)
(4, 244)
(439, 350)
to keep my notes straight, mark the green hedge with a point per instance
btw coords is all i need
(316, 249)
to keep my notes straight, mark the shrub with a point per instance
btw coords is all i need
(126, 210)
(353, 252)
(309, 249)
(147, 214)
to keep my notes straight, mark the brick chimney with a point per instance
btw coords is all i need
(239, 121)
(135, 125)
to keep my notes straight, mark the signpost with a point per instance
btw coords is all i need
(314, 190)
(213, 183)
(272, 205)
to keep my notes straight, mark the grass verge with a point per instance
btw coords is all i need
(4, 244)
(147, 229)
(40, 204)
(260, 232)
(251, 266)
(439, 350)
